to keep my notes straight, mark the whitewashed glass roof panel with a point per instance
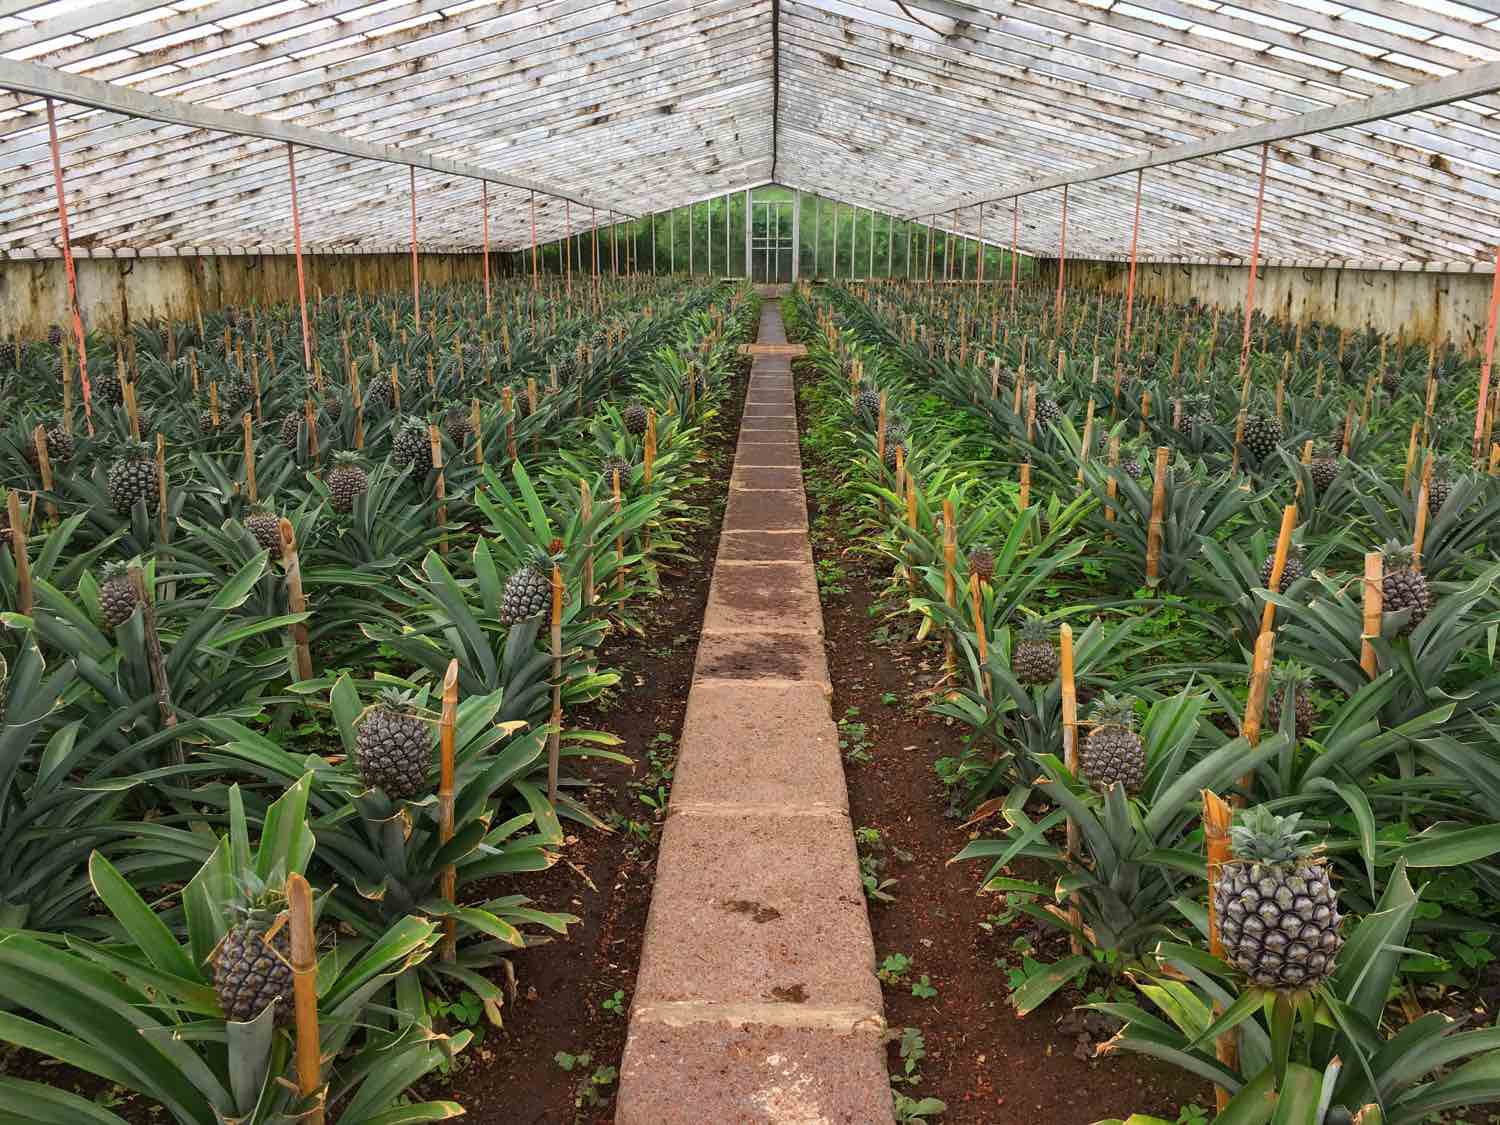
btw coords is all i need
(925, 108)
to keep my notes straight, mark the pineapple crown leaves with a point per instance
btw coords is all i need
(1395, 553)
(114, 569)
(1260, 836)
(347, 459)
(1291, 674)
(1113, 711)
(1035, 630)
(132, 450)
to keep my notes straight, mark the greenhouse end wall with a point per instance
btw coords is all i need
(1427, 305)
(113, 291)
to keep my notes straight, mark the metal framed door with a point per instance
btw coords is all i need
(771, 243)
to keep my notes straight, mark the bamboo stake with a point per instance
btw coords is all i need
(435, 441)
(296, 599)
(475, 420)
(248, 429)
(1158, 506)
(1423, 491)
(1411, 459)
(1087, 443)
(977, 598)
(1216, 820)
(25, 596)
(1024, 501)
(447, 734)
(1112, 486)
(1374, 605)
(163, 525)
(1070, 757)
(554, 737)
(1278, 564)
(44, 466)
(305, 995)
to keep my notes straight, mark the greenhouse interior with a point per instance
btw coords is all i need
(787, 562)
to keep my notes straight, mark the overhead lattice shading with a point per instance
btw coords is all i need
(911, 108)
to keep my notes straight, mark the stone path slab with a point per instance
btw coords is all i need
(756, 1000)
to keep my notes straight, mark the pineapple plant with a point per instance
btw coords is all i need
(634, 417)
(1294, 569)
(1034, 660)
(265, 525)
(291, 429)
(118, 596)
(54, 335)
(1261, 436)
(252, 964)
(982, 563)
(528, 592)
(412, 448)
(133, 478)
(1113, 754)
(895, 439)
(458, 425)
(1439, 485)
(1277, 908)
(1403, 587)
(1324, 468)
(393, 747)
(867, 402)
(61, 445)
(347, 482)
(1296, 679)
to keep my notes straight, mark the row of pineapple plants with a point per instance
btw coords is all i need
(1358, 784)
(161, 717)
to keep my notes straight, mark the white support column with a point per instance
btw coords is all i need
(796, 234)
(749, 261)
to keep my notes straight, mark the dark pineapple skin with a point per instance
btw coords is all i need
(393, 748)
(251, 971)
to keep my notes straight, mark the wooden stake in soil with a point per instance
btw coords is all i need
(163, 525)
(447, 730)
(554, 738)
(1423, 491)
(249, 432)
(44, 467)
(296, 600)
(1070, 755)
(1112, 487)
(304, 944)
(1255, 705)
(1278, 564)
(976, 596)
(25, 596)
(1216, 821)
(1411, 459)
(435, 441)
(1087, 443)
(1024, 500)
(1158, 508)
(1374, 605)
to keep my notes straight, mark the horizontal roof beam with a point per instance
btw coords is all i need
(1475, 81)
(44, 82)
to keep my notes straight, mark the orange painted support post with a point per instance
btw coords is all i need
(1069, 705)
(67, 248)
(1278, 565)
(1062, 260)
(484, 195)
(291, 167)
(1135, 235)
(304, 965)
(1260, 206)
(1484, 371)
(416, 291)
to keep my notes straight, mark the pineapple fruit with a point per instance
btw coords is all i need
(528, 592)
(1113, 754)
(1261, 436)
(1304, 711)
(1034, 660)
(1403, 586)
(118, 596)
(133, 477)
(1276, 905)
(634, 417)
(393, 747)
(265, 525)
(412, 448)
(1293, 570)
(347, 482)
(982, 563)
(252, 965)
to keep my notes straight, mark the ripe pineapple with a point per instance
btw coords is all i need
(1305, 713)
(1278, 912)
(1262, 434)
(1440, 486)
(291, 430)
(1034, 660)
(61, 445)
(381, 394)
(1196, 414)
(393, 747)
(118, 596)
(982, 563)
(134, 477)
(458, 425)
(347, 482)
(1324, 468)
(894, 447)
(528, 592)
(867, 402)
(252, 964)
(610, 467)
(1131, 465)
(10, 354)
(412, 449)
(1294, 569)
(1403, 586)
(1113, 753)
(634, 417)
(1047, 410)
(265, 525)
(105, 387)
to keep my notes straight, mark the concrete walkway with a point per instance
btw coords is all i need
(757, 1000)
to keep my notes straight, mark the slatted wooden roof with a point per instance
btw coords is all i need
(920, 108)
